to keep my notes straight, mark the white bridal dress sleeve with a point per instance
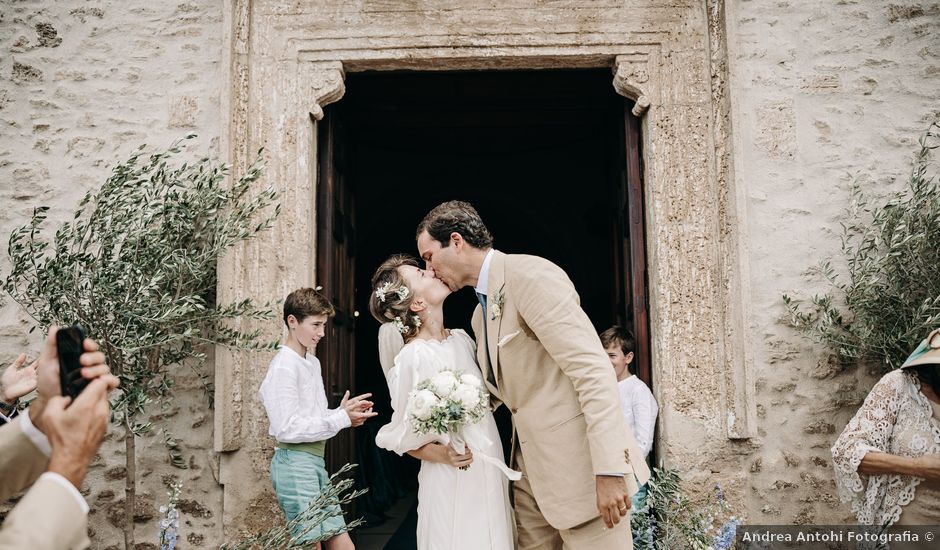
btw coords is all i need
(457, 509)
(413, 364)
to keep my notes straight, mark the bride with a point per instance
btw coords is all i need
(457, 508)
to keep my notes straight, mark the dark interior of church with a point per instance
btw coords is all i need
(538, 153)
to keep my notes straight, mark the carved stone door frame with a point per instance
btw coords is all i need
(319, 81)
(698, 285)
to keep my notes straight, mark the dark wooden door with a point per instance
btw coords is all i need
(336, 256)
(630, 285)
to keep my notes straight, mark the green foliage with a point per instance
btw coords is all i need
(173, 447)
(136, 267)
(673, 521)
(888, 297)
(338, 494)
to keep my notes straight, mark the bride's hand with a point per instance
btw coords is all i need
(443, 454)
(455, 459)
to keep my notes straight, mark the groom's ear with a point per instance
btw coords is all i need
(456, 239)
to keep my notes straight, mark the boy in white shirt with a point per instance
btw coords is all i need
(301, 420)
(636, 400)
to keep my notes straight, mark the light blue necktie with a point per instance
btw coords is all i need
(490, 376)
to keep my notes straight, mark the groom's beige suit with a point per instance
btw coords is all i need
(542, 358)
(47, 517)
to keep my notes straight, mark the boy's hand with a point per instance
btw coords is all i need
(358, 408)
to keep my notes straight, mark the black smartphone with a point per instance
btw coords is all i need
(70, 343)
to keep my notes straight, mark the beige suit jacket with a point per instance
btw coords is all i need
(551, 371)
(47, 517)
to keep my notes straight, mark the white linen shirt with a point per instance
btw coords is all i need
(294, 397)
(483, 279)
(639, 411)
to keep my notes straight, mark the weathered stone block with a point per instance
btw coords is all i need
(48, 36)
(819, 427)
(183, 112)
(776, 129)
(194, 508)
(83, 13)
(23, 74)
(115, 473)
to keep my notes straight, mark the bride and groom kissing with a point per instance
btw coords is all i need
(574, 462)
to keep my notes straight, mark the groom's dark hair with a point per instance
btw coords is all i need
(456, 216)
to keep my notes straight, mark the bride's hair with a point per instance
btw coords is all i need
(391, 297)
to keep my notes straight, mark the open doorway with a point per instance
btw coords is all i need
(544, 156)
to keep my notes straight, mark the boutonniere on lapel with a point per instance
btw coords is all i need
(496, 308)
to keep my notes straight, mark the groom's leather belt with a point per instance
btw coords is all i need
(316, 448)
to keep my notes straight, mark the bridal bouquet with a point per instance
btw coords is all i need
(446, 402)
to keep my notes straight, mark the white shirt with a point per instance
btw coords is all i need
(639, 410)
(484, 278)
(41, 442)
(295, 400)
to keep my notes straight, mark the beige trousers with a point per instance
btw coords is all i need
(534, 533)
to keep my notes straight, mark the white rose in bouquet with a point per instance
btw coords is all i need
(445, 403)
(444, 383)
(423, 403)
(468, 396)
(470, 380)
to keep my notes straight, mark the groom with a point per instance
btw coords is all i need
(542, 358)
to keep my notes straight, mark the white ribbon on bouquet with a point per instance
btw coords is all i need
(459, 444)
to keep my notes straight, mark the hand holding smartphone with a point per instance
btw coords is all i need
(70, 344)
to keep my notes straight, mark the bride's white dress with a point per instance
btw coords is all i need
(457, 509)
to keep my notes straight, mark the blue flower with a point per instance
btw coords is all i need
(725, 537)
(170, 523)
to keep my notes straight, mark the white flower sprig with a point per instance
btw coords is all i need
(400, 325)
(382, 292)
(496, 308)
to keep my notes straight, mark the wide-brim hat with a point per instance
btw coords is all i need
(927, 353)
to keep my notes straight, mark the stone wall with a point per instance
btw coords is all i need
(822, 94)
(81, 85)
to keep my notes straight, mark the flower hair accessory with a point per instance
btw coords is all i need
(383, 290)
(400, 325)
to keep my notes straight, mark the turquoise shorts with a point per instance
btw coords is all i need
(639, 499)
(299, 478)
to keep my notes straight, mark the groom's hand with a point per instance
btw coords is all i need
(612, 500)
